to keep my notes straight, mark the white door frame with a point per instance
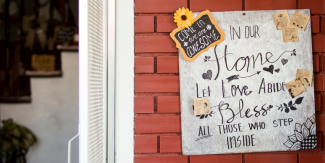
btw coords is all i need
(124, 95)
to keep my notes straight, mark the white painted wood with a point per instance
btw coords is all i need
(124, 103)
(111, 81)
(269, 40)
(83, 81)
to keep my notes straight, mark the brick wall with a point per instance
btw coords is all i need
(157, 105)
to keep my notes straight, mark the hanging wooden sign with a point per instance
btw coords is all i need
(64, 34)
(260, 96)
(203, 34)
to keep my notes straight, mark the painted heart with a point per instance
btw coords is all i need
(270, 69)
(207, 75)
(284, 61)
(277, 70)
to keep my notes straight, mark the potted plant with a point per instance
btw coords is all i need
(15, 140)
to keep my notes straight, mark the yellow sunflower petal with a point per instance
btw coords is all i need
(183, 11)
(180, 24)
(188, 22)
(179, 12)
(177, 18)
(189, 13)
(186, 10)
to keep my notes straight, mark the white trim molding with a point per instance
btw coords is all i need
(124, 95)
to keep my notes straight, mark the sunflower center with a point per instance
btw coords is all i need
(184, 17)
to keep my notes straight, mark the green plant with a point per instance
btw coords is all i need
(15, 140)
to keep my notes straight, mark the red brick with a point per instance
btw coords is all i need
(323, 99)
(157, 124)
(318, 103)
(156, 84)
(318, 43)
(167, 65)
(319, 142)
(315, 24)
(143, 104)
(144, 64)
(158, 6)
(310, 158)
(165, 24)
(320, 120)
(323, 24)
(154, 44)
(315, 6)
(216, 159)
(319, 82)
(316, 63)
(169, 144)
(215, 5)
(168, 104)
(145, 144)
(270, 4)
(322, 57)
(144, 24)
(271, 158)
(323, 141)
(160, 159)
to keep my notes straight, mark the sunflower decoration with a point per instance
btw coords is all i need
(304, 136)
(183, 17)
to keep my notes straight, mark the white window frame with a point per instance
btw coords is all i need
(120, 81)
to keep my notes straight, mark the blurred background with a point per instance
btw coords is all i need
(38, 80)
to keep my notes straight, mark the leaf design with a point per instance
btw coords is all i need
(308, 123)
(296, 146)
(287, 110)
(299, 136)
(288, 143)
(285, 105)
(312, 129)
(298, 127)
(290, 103)
(312, 119)
(299, 100)
(202, 116)
(293, 108)
(206, 115)
(292, 138)
(305, 131)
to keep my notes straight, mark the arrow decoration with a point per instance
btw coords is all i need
(234, 77)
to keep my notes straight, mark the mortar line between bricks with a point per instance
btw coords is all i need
(156, 74)
(157, 154)
(188, 159)
(155, 104)
(158, 144)
(155, 114)
(188, 4)
(157, 134)
(155, 65)
(155, 24)
(243, 5)
(151, 34)
(297, 4)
